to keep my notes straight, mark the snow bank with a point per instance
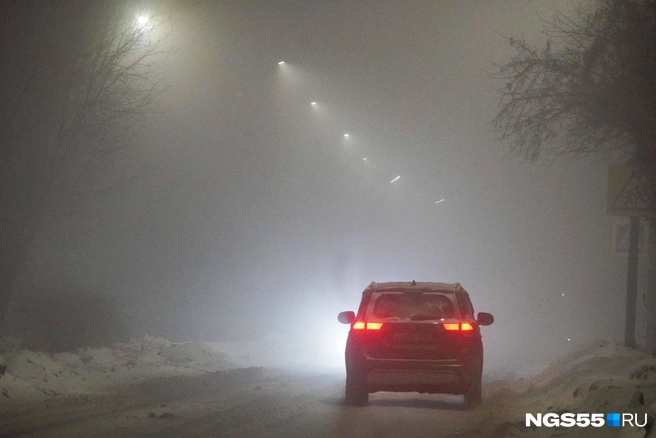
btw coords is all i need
(30, 375)
(606, 377)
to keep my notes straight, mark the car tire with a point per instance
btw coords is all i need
(356, 393)
(474, 394)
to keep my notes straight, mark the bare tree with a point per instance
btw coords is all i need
(77, 77)
(590, 88)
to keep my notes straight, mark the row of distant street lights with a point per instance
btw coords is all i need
(347, 135)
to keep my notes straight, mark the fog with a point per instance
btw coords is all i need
(254, 215)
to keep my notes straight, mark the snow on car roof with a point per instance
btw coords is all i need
(418, 285)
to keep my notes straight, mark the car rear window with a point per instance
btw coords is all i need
(415, 306)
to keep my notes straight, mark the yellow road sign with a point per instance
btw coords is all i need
(628, 193)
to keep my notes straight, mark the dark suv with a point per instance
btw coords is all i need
(410, 336)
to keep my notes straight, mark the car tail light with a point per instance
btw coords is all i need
(361, 325)
(456, 326)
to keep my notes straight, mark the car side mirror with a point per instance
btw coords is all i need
(347, 317)
(484, 318)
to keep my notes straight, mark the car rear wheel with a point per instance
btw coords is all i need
(356, 393)
(473, 395)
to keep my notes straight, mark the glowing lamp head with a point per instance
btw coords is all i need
(142, 20)
(281, 63)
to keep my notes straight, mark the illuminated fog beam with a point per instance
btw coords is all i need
(395, 179)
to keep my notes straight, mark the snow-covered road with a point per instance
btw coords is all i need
(251, 402)
(192, 400)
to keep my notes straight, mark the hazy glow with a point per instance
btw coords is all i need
(260, 194)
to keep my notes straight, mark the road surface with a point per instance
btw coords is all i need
(250, 402)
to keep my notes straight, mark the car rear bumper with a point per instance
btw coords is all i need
(449, 376)
(422, 381)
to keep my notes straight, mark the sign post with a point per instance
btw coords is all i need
(628, 196)
(632, 284)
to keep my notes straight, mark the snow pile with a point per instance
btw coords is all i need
(201, 357)
(31, 374)
(155, 357)
(49, 375)
(606, 377)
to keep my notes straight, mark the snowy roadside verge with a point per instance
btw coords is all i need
(31, 376)
(605, 377)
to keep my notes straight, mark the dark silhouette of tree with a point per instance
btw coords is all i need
(590, 88)
(76, 77)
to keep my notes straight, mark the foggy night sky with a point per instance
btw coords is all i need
(256, 215)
